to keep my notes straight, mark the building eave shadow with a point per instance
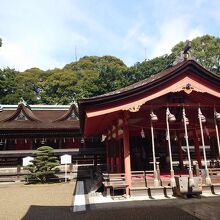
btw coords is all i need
(119, 213)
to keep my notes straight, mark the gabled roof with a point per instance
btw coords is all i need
(72, 110)
(48, 119)
(26, 111)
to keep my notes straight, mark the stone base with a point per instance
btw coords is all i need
(206, 189)
(168, 191)
(155, 191)
(215, 189)
(138, 191)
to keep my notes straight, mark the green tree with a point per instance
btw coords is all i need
(97, 75)
(58, 87)
(44, 165)
(86, 86)
(143, 70)
(205, 49)
(28, 85)
(8, 86)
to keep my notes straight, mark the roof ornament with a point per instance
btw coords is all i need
(22, 101)
(185, 54)
(73, 102)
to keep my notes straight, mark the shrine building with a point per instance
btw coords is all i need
(167, 124)
(25, 128)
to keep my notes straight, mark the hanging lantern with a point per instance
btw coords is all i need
(153, 117)
(217, 116)
(171, 117)
(142, 133)
(1, 142)
(103, 138)
(43, 141)
(202, 117)
(73, 140)
(186, 120)
(82, 140)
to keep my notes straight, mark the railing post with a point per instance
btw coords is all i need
(197, 169)
(191, 180)
(18, 172)
(156, 182)
(207, 179)
(172, 179)
(216, 129)
(158, 170)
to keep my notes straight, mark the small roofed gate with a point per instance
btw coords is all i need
(167, 123)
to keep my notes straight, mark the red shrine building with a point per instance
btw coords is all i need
(167, 123)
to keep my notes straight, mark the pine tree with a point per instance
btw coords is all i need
(44, 165)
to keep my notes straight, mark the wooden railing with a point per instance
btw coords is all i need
(113, 181)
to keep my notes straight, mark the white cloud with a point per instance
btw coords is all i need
(21, 58)
(136, 38)
(13, 55)
(197, 32)
(171, 33)
(44, 34)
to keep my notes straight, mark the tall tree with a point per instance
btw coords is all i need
(97, 75)
(58, 87)
(29, 85)
(142, 70)
(8, 86)
(206, 50)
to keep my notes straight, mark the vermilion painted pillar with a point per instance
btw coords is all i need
(107, 156)
(119, 157)
(180, 153)
(197, 150)
(112, 157)
(127, 160)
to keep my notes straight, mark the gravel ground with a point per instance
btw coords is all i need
(54, 202)
(16, 200)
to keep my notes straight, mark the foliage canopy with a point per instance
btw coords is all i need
(93, 75)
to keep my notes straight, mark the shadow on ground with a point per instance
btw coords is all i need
(65, 212)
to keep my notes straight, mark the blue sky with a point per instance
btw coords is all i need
(44, 33)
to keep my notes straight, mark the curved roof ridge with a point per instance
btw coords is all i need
(27, 112)
(152, 78)
(66, 115)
